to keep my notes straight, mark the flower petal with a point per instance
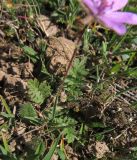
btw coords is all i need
(118, 4)
(119, 28)
(91, 5)
(122, 17)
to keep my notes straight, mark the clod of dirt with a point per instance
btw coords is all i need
(59, 53)
(101, 149)
(47, 26)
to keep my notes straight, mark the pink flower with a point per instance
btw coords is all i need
(108, 13)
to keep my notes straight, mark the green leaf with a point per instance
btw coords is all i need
(70, 134)
(7, 115)
(40, 149)
(38, 92)
(5, 105)
(3, 150)
(132, 72)
(99, 136)
(76, 79)
(104, 51)
(116, 68)
(5, 143)
(30, 53)
(54, 109)
(27, 110)
(97, 125)
(134, 105)
(52, 149)
(35, 148)
(61, 154)
(33, 120)
(86, 39)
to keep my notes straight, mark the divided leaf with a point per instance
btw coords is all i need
(31, 53)
(70, 134)
(27, 110)
(38, 92)
(76, 78)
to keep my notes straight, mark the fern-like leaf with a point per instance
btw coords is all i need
(76, 78)
(38, 92)
(70, 134)
(27, 110)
